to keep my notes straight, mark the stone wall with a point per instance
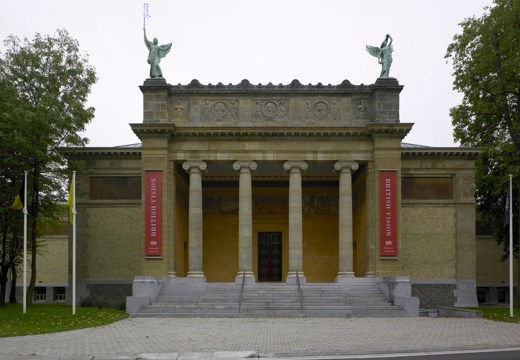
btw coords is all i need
(434, 295)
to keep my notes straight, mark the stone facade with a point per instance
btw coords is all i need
(303, 162)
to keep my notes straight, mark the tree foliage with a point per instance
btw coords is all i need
(486, 63)
(45, 83)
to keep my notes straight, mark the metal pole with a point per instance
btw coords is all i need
(25, 212)
(73, 243)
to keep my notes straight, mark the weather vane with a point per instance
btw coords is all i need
(145, 14)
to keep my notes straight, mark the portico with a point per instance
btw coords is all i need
(272, 159)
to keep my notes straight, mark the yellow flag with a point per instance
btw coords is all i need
(70, 203)
(17, 201)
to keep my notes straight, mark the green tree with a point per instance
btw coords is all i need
(51, 79)
(486, 62)
(10, 182)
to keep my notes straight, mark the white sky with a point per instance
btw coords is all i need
(259, 40)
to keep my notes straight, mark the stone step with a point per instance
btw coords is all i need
(183, 297)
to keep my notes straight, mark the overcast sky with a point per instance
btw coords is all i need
(262, 41)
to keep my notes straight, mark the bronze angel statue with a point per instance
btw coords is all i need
(383, 55)
(157, 52)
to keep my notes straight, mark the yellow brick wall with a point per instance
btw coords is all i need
(491, 270)
(428, 238)
(120, 254)
(51, 262)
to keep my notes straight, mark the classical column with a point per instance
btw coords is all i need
(346, 256)
(172, 200)
(245, 220)
(295, 169)
(195, 169)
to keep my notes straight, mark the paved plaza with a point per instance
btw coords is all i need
(199, 338)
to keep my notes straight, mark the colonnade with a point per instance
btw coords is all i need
(195, 170)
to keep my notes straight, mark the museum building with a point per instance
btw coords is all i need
(272, 184)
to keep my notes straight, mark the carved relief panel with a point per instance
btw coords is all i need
(179, 109)
(267, 205)
(271, 109)
(321, 109)
(362, 108)
(219, 110)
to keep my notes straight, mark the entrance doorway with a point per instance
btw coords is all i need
(269, 256)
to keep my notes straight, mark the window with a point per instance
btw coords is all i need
(426, 188)
(59, 293)
(115, 188)
(40, 293)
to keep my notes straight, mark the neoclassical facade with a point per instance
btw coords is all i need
(272, 182)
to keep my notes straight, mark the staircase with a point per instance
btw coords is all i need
(181, 297)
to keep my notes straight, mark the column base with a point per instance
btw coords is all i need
(291, 278)
(369, 274)
(249, 278)
(195, 275)
(172, 274)
(344, 276)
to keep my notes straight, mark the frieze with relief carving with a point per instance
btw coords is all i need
(321, 109)
(179, 108)
(220, 110)
(362, 109)
(271, 109)
(267, 205)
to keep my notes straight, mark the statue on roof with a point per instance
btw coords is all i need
(383, 55)
(156, 51)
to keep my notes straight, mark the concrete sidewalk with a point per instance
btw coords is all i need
(199, 338)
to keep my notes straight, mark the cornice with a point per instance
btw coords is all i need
(245, 86)
(432, 152)
(399, 130)
(72, 153)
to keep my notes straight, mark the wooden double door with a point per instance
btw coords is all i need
(269, 256)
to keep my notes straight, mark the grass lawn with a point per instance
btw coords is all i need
(45, 318)
(499, 313)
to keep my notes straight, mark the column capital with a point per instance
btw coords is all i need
(346, 166)
(247, 165)
(297, 165)
(194, 166)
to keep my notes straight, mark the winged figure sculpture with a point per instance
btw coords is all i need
(383, 55)
(156, 52)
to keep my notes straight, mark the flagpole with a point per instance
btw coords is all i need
(510, 245)
(73, 243)
(25, 243)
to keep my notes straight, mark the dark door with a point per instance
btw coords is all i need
(270, 256)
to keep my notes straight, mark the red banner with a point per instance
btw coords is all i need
(388, 213)
(153, 213)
